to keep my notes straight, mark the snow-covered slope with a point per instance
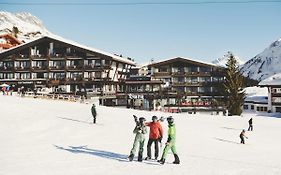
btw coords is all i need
(223, 60)
(272, 80)
(57, 137)
(264, 64)
(29, 26)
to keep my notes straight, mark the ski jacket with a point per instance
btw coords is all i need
(155, 130)
(93, 110)
(172, 134)
(140, 131)
(250, 121)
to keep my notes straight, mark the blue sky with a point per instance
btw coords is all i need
(199, 31)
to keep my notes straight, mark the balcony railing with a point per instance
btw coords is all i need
(22, 68)
(39, 68)
(74, 67)
(161, 74)
(57, 67)
(6, 68)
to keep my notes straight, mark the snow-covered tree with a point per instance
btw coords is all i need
(233, 87)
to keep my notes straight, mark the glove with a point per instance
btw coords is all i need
(160, 139)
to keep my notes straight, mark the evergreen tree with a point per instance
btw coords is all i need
(233, 87)
(15, 31)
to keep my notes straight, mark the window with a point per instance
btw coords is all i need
(245, 107)
(278, 109)
(252, 107)
(194, 69)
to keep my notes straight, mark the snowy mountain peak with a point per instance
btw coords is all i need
(223, 60)
(265, 64)
(29, 26)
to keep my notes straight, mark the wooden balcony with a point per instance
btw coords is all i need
(57, 67)
(276, 94)
(6, 69)
(27, 68)
(39, 68)
(75, 67)
(161, 74)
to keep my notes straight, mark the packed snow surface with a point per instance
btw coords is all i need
(40, 136)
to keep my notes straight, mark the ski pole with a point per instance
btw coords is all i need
(88, 119)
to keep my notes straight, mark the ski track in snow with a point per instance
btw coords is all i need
(40, 136)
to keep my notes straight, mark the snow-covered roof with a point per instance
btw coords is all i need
(184, 58)
(256, 94)
(55, 37)
(272, 80)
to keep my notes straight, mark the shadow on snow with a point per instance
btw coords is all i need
(95, 152)
(99, 153)
(228, 141)
(75, 120)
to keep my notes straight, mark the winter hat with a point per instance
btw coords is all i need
(170, 120)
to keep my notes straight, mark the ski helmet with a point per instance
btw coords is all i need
(170, 120)
(154, 118)
(141, 119)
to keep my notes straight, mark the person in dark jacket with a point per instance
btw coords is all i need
(155, 136)
(250, 124)
(94, 113)
(242, 136)
(171, 142)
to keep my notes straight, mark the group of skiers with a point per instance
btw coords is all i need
(155, 136)
(242, 134)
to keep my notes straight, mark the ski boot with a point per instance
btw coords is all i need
(140, 157)
(161, 161)
(177, 160)
(131, 157)
(147, 158)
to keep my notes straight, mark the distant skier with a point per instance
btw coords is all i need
(250, 124)
(94, 113)
(242, 136)
(155, 136)
(140, 131)
(171, 142)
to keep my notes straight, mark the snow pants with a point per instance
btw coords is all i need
(250, 128)
(138, 142)
(171, 146)
(242, 140)
(150, 141)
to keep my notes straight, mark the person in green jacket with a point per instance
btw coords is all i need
(171, 142)
(140, 131)
(94, 113)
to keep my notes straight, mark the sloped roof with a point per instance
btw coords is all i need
(11, 37)
(72, 43)
(175, 59)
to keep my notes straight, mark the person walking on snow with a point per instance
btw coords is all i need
(250, 124)
(242, 136)
(171, 142)
(140, 130)
(94, 113)
(155, 136)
